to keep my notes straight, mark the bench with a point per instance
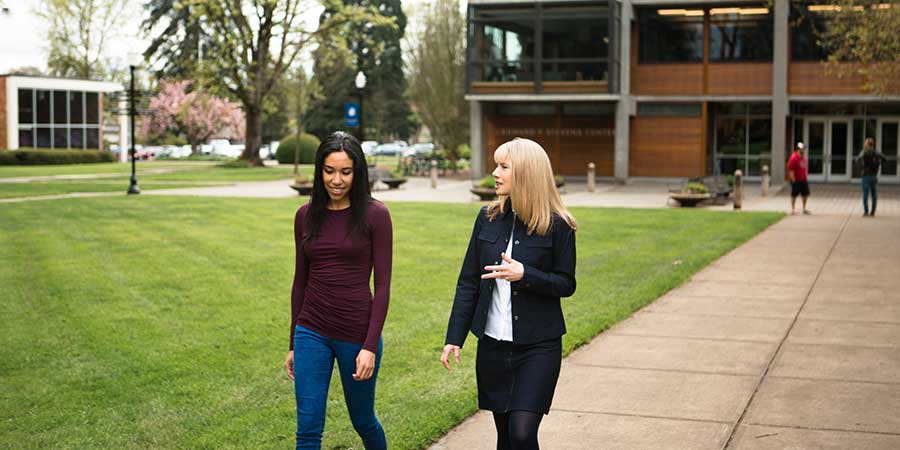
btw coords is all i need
(384, 176)
(717, 185)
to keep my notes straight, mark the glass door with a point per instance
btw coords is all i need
(887, 143)
(814, 138)
(829, 148)
(839, 151)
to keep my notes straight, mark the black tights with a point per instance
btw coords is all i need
(517, 430)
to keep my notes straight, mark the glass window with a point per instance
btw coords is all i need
(92, 108)
(589, 109)
(93, 138)
(76, 138)
(806, 27)
(666, 37)
(26, 106)
(743, 35)
(731, 136)
(60, 137)
(42, 102)
(76, 105)
(26, 137)
(575, 38)
(669, 109)
(60, 115)
(526, 109)
(574, 71)
(760, 137)
(43, 137)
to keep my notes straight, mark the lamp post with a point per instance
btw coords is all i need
(133, 188)
(360, 82)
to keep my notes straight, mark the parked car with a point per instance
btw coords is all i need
(420, 149)
(367, 146)
(221, 147)
(391, 149)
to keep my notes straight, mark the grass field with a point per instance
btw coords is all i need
(162, 322)
(81, 169)
(187, 174)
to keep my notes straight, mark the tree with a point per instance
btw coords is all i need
(375, 50)
(256, 41)
(334, 69)
(78, 34)
(437, 74)
(182, 55)
(862, 41)
(195, 115)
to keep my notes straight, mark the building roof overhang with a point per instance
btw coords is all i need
(543, 97)
(34, 82)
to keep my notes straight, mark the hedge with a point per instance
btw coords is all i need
(34, 157)
(308, 146)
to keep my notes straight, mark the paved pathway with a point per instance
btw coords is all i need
(791, 341)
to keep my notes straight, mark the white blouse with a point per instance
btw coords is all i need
(499, 320)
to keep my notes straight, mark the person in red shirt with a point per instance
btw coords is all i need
(342, 237)
(797, 172)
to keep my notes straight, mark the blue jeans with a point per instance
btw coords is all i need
(870, 184)
(314, 357)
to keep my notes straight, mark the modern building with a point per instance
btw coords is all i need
(668, 89)
(53, 113)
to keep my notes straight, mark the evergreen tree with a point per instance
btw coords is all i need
(374, 49)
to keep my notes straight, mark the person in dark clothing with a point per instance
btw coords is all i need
(871, 163)
(341, 236)
(519, 263)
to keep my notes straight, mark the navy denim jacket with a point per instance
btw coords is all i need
(549, 263)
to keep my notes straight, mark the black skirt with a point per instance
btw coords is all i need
(517, 377)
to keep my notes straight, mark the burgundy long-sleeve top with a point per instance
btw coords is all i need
(331, 293)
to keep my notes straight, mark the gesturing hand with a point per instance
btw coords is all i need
(365, 365)
(445, 356)
(511, 270)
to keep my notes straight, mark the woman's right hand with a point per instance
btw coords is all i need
(445, 356)
(289, 364)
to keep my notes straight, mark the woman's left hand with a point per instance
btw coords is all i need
(365, 365)
(511, 270)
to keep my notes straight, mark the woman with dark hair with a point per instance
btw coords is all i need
(341, 236)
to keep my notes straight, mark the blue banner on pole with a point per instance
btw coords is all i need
(351, 114)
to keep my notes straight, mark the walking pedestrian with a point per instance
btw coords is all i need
(341, 236)
(520, 261)
(871, 164)
(798, 171)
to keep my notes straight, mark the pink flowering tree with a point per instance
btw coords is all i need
(196, 115)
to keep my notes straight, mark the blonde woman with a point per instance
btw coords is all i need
(520, 261)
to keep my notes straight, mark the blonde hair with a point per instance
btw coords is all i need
(533, 190)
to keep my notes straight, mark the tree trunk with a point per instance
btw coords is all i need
(195, 148)
(253, 135)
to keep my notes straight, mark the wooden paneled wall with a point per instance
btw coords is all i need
(556, 87)
(666, 147)
(4, 133)
(667, 79)
(506, 87)
(811, 78)
(571, 142)
(739, 79)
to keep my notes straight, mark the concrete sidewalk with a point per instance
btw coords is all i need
(791, 341)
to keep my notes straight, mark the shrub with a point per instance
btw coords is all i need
(696, 188)
(308, 146)
(464, 151)
(487, 182)
(34, 157)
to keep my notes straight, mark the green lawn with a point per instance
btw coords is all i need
(81, 169)
(161, 322)
(36, 189)
(199, 173)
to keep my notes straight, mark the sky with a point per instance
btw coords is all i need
(22, 34)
